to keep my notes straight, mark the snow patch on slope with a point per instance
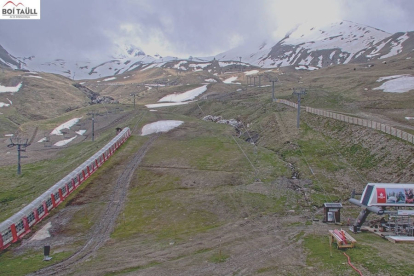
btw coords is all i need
(252, 72)
(65, 142)
(11, 89)
(109, 79)
(396, 46)
(186, 96)
(160, 126)
(80, 132)
(68, 124)
(396, 84)
(43, 233)
(230, 80)
(336, 43)
(303, 67)
(210, 80)
(165, 104)
(347, 36)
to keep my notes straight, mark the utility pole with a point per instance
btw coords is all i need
(240, 64)
(133, 94)
(19, 142)
(299, 92)
(93, 127)
(273, 90)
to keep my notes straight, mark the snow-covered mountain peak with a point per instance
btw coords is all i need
(126, 51)
(335, 35)
(308, 46)
(312, 46)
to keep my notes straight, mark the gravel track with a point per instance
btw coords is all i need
(101, 231)
(114, 123)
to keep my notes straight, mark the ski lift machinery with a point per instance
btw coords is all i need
(377, 197)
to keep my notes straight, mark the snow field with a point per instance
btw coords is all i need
(42, 140)
(68, 124)
(65, 142)
(178, 65)
(43, 233)
(80, 132)
(58, 131)
(9, 64)
(11, 89)
(149, 67)
(303, 67)
(396, 84)
(396, 46)
(109, 79)
(165, 104)
(391, 77)
(252, 72)
(199, 65)
(210, 80)
(160, 126)
(335, 36)
(230, 80)
(227, 63)
(186, 96)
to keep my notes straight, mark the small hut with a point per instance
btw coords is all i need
(332, 212)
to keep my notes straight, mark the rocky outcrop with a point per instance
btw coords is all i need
(95, 97)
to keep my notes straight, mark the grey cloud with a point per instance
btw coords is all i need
(390, 16)
(89, 28)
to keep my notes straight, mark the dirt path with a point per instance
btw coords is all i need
(101, 231)
(248, 242)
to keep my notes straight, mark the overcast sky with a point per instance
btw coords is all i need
(92, 28)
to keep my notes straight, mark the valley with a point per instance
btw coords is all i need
(241, 193)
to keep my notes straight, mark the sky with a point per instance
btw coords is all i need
(79, 29)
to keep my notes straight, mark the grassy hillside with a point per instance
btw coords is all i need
(206, 200)
(41, 96)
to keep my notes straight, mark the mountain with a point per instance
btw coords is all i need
(304, 47)
(125, 58)
(8, 60)
(396, 44)
(309, 47)
(128, 51)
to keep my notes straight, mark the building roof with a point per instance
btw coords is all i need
(333, 205)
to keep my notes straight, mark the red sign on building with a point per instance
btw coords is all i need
(381, 195)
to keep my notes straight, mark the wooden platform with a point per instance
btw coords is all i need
(400, 239)
(376, 231)
(389, 235)
(341, 238)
